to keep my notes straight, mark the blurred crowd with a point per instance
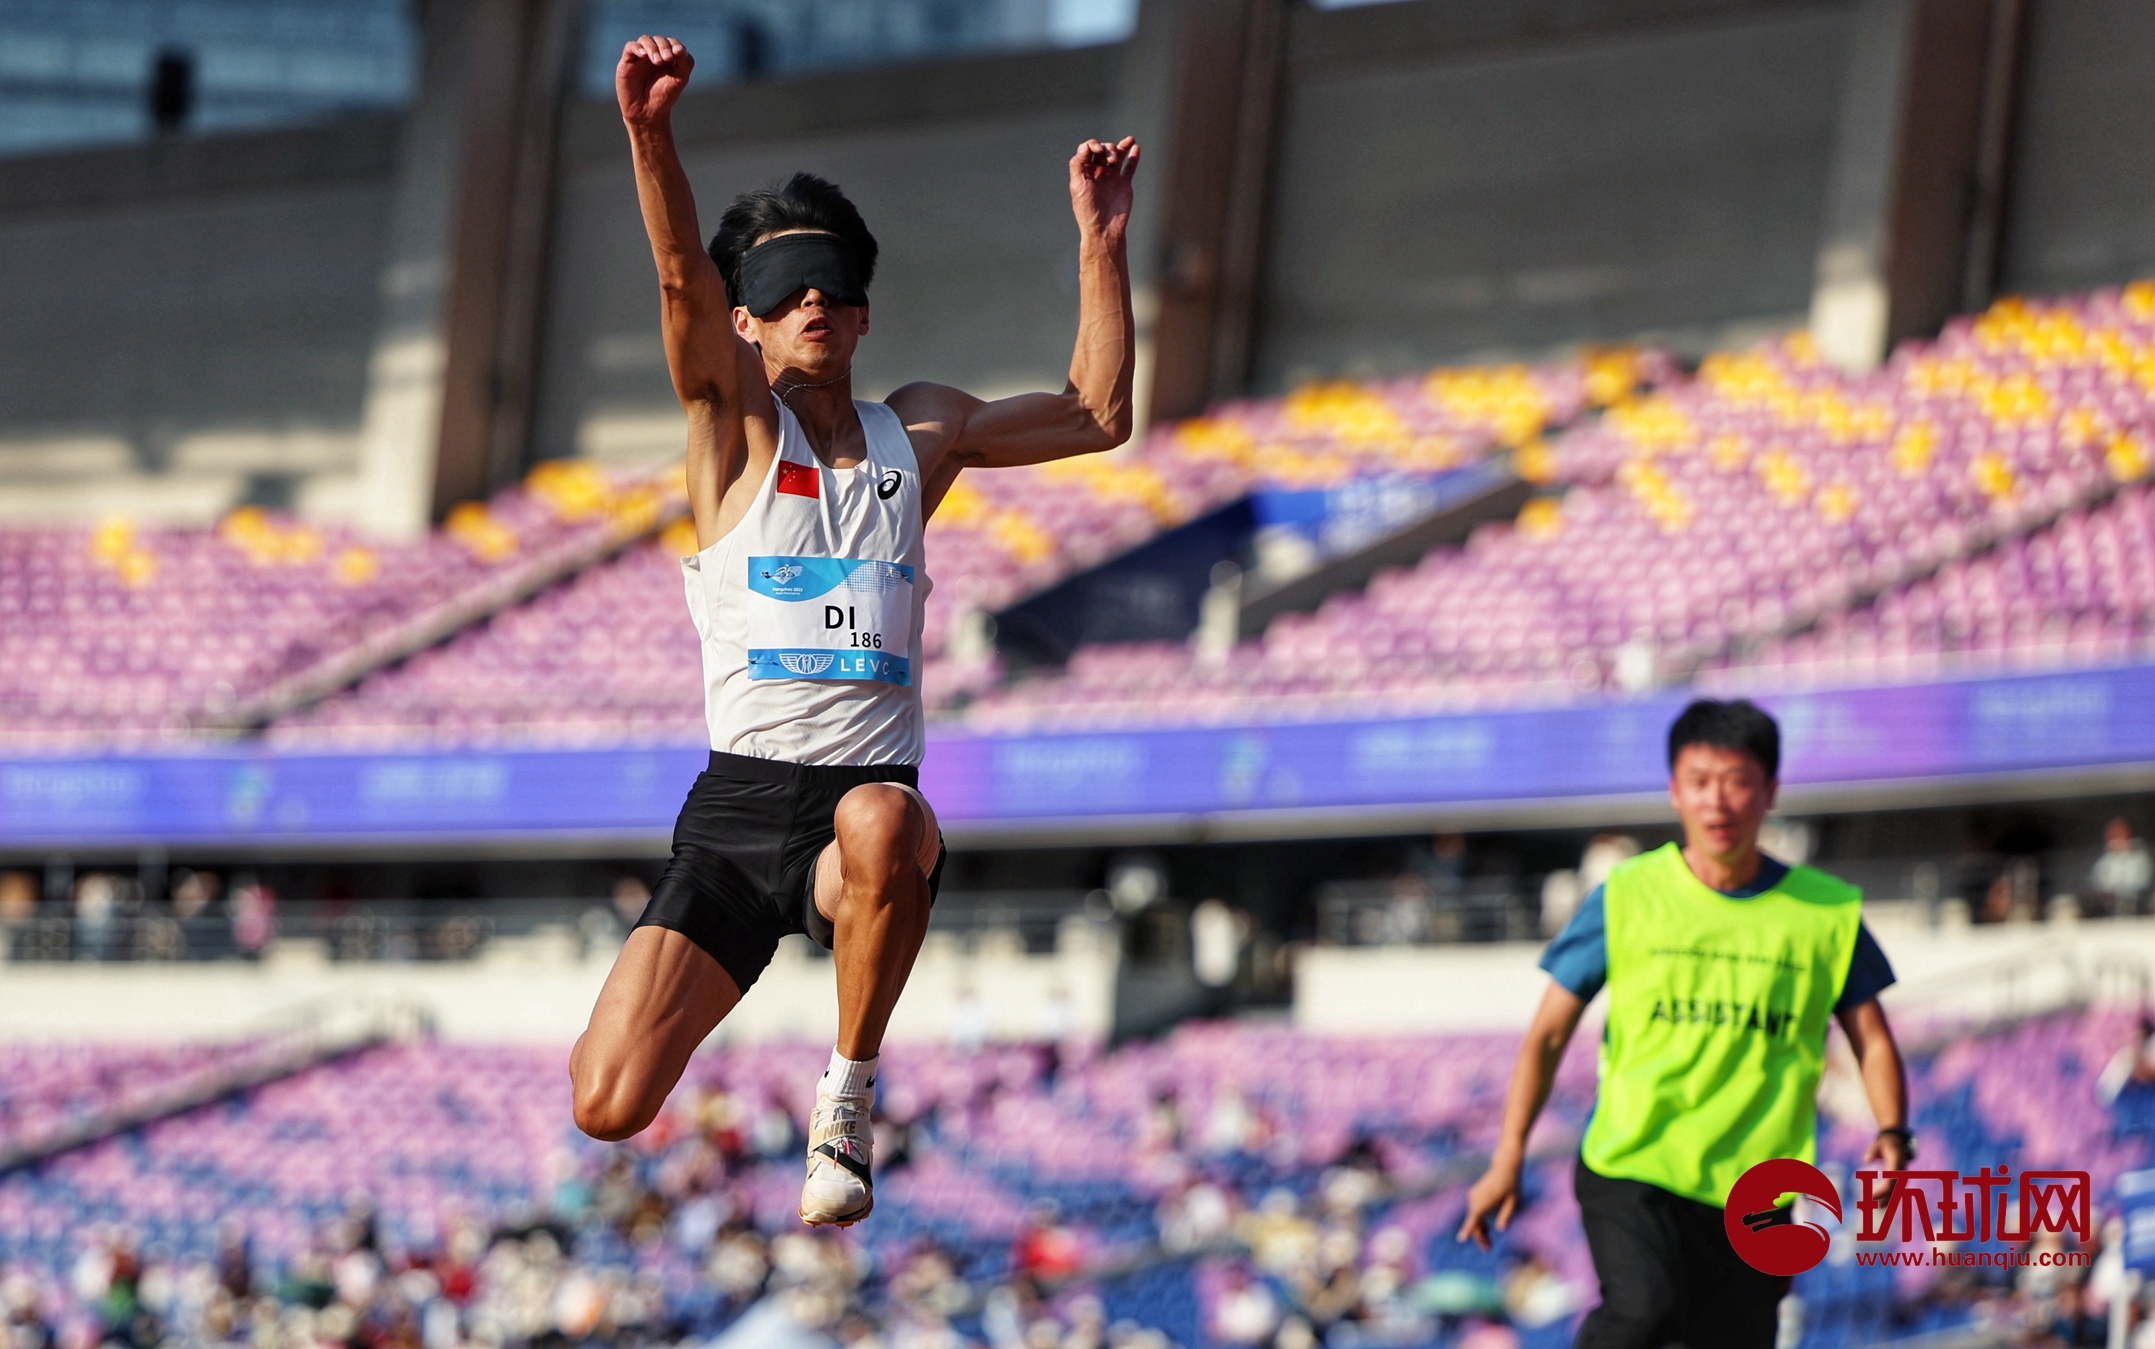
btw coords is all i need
(1223, 1216)
(686, 1234)
(672, 1259)
(156, 915)
(1443, 889)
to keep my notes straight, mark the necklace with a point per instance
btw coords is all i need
(786, 394)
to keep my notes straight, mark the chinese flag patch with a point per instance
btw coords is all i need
(798, 479)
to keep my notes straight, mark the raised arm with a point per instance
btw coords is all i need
(710, 364)
(956, 430)
(1532, 1074)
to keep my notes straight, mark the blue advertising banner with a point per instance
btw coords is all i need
(1345, 516)
(1846, 736)
(259, 795)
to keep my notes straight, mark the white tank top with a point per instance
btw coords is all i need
(810, 610)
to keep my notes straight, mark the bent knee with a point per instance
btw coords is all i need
(611, 1115)
(610, 1102)
(879, 824)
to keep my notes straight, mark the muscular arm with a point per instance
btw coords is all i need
(713, 369)
(954, 430)
(1532, 1074)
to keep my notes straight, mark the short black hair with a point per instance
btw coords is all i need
(805, 202)
(1738, 724)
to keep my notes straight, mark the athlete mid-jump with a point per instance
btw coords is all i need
(808, 596)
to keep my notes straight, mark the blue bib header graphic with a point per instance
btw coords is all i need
(807, 578)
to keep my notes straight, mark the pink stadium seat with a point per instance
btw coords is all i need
(1715, 517)
(122, 637)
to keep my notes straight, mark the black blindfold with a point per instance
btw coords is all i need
(777, 268)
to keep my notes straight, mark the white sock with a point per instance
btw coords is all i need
(850, 1078)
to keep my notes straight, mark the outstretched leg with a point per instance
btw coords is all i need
(662, 997)
(871, 885)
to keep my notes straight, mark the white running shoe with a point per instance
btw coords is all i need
(838, 1190)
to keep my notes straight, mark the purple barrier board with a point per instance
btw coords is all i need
(1968, 728)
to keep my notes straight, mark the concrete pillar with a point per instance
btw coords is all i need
(1917, 178)
(1993, 155)
(505, 212)
(1247, 202)
(448, 384)
(1199, 88)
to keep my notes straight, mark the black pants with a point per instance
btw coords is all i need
(1668, 1274)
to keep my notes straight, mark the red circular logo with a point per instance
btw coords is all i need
(1764, 1236)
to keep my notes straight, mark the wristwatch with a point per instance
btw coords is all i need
(1906, 1135)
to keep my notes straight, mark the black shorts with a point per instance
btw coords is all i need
(743, 872)
(1668, 1274)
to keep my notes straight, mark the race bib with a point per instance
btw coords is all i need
(829, 618)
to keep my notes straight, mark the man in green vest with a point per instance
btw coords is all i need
(1724, 968)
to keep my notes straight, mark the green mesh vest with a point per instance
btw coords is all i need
(1717, 1023)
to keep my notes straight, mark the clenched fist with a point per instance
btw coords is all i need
(650, 78)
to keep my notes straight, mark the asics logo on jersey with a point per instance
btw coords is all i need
(784, 575)
(796, 663)
(888, 487)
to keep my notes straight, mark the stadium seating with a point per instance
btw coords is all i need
(1001, 536)
(606, 658)
(1735, 525)
(609, 658)
(1759, 498)
(1767, 523)
(435, 1136)
(1207, 1189)
(122, 637)
(2079, 593)
(1652, 562)
(47, 1088)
